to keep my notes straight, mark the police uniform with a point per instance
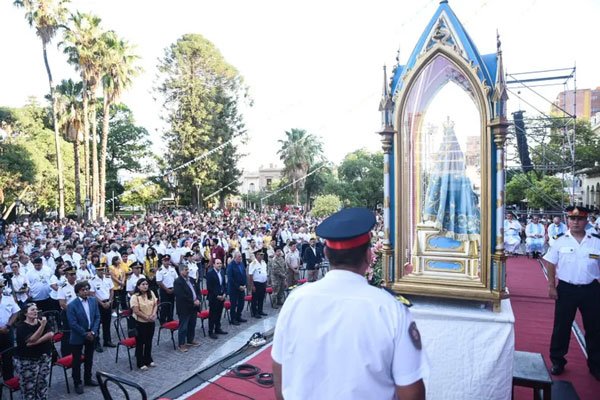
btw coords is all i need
(8, 308)
(102, 288)
(362, 341)
(66, 292)
(167, 276)
(577, 270)
(258, 271)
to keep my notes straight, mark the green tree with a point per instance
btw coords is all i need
(361, 179)
(546, 192)
(299, 151)
(119, 69)
(128, 146)
(47, 16)
(326, 205)
(201, 94)
(141, 193)
(83, 45)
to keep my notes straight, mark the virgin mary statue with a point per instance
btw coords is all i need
(450, 202)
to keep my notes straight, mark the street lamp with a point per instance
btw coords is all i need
(87, 208)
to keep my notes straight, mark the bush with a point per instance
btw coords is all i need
(325, 205)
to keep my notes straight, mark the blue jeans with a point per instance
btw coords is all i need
(187, 328)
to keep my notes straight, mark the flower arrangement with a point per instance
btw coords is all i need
(374, 273)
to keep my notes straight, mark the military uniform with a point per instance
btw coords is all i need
(278, 274)
(577, 270)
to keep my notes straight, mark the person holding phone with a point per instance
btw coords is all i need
(33, 355)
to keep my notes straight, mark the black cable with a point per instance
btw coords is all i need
(227, 390)
(245, 370)
(265, 379)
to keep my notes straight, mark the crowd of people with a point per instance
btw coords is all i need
(537, 233)
(74, 278)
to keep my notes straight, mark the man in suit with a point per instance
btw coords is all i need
(215, 283)
(187, 303)
(312, 257)
(84, 322)
(236, 287)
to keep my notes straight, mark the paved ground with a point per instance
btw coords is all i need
(173, 366)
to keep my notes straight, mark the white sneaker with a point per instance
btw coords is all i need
(114, 314)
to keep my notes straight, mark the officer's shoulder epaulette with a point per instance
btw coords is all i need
(596, 235)
(398, 297)
(559, 235)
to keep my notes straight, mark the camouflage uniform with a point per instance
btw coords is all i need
(278, 274)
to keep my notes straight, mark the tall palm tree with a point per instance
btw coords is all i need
(47, 16)
(119, 69)
(70, 117)
(83, 45)
(299, 151)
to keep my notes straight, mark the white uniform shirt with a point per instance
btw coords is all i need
(17, 284)
(84, 275)
(362, 341)
(193, 267)
(39, 282)
(101, 287)
(576, 263)
(8, 308)
(258, 270)
(133, 279)
(55, 281)
(167, 276)
(67, 292)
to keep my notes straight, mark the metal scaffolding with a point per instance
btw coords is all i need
(546, 120)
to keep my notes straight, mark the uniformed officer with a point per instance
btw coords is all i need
(257, 281)
(66, 294)
(165, 277)
(8, 313)
(575, 260)
(278, 277)
(102, 286)
(362, 343)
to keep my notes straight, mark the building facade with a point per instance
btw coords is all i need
(261, 180)
(583, 103)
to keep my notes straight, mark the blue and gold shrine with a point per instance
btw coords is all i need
(443, 132)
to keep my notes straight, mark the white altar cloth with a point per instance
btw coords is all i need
(470, 349)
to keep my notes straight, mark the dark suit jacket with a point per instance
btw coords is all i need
(78, 322)
(212, 284)
(184, 297)
(311, 259)
(236, 276)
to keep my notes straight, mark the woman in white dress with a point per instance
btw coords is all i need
(512, 234)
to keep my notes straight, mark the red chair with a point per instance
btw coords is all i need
(57, 337)
(226, 308)
(204, 293)
(126, 341)
(248, 300)
(203, 315)
(302, 281)
(269, 291)
(13, 385)
(172, 326)
(65, 363)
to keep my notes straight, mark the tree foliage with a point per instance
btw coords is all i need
(201, 94)
(546, 192)
(361, 179)
(142, 193)
(300, 152)
(326, 205)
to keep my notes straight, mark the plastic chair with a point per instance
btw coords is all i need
(12, 384)
(126, 341)
(226, 308)
(65, 363)
(203, 315)
(172, 326)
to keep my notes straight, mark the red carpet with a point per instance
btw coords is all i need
(534, 316)
(247, 387)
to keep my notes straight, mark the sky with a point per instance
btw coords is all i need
(310, 64)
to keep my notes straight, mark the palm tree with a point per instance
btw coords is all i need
(47, 16)
(299, 151)
(119, 70)
(84, 48)
(70, 113)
